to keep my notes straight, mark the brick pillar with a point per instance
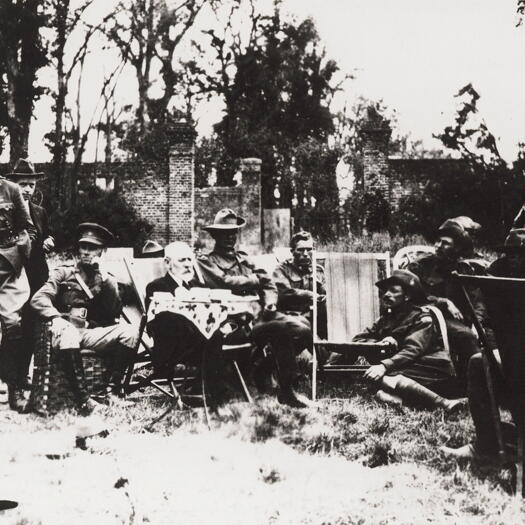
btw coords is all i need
(181, 178)
(375, 133)
(251, 234)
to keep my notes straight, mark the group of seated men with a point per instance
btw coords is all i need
(82, 303)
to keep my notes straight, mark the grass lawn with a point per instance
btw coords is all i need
(348, 461)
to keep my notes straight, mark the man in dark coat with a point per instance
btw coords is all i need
(176, 339)
(17, 232)
(225, 267)
(435, 273)
(37, 271)
(418, 369)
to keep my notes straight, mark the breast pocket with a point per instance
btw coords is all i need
(70, 294)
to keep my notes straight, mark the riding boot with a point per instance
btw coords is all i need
(16, 399)
(72, 362)
(12, 349)
(415, 393)
(120, 362)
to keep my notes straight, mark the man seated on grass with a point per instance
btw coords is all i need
(225, 267)
(176, 339)
(418, 370)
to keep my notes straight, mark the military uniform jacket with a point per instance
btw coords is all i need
(62, 291)
(236, 272)
(16, 227)
(418, 340)
(438, 283)
(295, 288)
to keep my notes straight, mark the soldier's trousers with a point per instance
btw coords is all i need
(479, 403)
(287, 336)
(14, 293)
(463, 345)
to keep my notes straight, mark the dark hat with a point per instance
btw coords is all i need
(152, 249)
(24, 169)
(453, 229)
(408, 280)
(226, 219)
(94, 234)
(514, 243)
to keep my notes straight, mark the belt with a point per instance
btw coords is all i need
(81, 313)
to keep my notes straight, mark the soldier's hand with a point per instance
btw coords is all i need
(59, 323)
(389, 341)
(454, 311)
(375, 372)
(100, 267)
(48, 245)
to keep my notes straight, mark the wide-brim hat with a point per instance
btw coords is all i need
(24, 169)
(94, 234)
(152, 249)
(226, 219)
(514, 242)
(408, 281)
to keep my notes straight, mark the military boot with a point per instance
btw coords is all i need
(16, 398)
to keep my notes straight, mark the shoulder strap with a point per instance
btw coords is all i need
(438, 314)
(84, 286)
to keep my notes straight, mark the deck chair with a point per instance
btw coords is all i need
(352, 304)
(505, 301)
(408, 254)
(141, 272)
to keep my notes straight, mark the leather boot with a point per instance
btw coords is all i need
(120, 362)
(288, 396)
(16, 398)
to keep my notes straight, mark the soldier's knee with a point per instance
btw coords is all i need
(128, 335)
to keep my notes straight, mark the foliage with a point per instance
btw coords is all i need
(109, 209)
(23, 55)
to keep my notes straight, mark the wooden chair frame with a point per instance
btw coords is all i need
(353, 369)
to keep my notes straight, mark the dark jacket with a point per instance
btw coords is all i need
(295, 287)
(439, 283)
(16, 227)
(166, 284)
(36, 267)
(418, 340)
(62, 292)
(237, 273)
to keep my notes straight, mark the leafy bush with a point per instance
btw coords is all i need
(108, 209)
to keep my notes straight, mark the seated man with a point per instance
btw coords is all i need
(227, 268)
(82, 302)
(294, 281)
(512, 262)
(176, 339)
(418, 369)
(435, 273)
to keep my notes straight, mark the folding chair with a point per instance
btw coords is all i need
(141, 272)
(352, 304)
(505, 301)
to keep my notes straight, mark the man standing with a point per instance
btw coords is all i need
(37, 271)
(228, 268)
(435, 273)
(82, 302)
(16, 234)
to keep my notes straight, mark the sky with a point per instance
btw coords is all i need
(412, 54)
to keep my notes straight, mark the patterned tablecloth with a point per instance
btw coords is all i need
(206, 309)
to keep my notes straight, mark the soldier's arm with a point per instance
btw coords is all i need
(416, 344)
(288, 295)
(214, 277)
(22, 217)
(42, 301)
(371, 334)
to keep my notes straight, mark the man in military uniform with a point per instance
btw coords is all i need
(418, 370)
(294, 281)
(16, 234)
(435, 272)
(227, 268)
(81, 300)
(37, 271)
(512, 261)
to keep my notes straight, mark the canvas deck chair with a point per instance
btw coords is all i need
(352, 304)
(505, 302)
(141, 272)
